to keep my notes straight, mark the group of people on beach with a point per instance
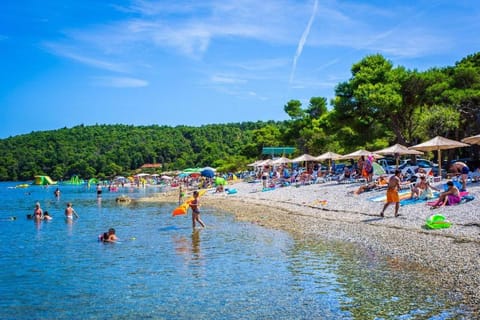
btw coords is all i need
(451, 196)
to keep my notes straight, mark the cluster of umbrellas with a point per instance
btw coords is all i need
(436, 144)
(208, 172)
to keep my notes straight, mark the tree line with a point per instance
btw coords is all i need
(379, 105)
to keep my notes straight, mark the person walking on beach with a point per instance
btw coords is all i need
(195, 206)
(392, 193)
(70, 212)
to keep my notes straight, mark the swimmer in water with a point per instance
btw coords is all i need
(109, 236)
(70, 212)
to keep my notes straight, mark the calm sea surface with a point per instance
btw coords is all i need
(162, 270)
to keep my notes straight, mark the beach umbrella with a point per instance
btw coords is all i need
(472, 139)
(255, 164)
(304, 157)
(377, 169)
(220, 181)
(267, 162)
(140, 175)
(359, 153)
(209, 173)
(437, 144)
(281, 160)
(398, 150)
(329, 156)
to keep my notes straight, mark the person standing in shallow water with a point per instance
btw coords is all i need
(181, 194)
(70, 212)
(195, 206)
(392, 193)
(37, 212)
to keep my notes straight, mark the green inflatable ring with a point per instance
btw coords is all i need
(437, 221)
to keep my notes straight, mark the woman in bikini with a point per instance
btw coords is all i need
(195, 206)
(37, 212)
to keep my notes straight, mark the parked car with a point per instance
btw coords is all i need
(420, 163)
(388, 164)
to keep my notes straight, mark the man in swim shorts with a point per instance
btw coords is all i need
(99, 190)
(70, 212)
(392, 193)
(462, 169)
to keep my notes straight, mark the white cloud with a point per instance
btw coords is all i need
(226, 79)
(119, 82)
(93, 62)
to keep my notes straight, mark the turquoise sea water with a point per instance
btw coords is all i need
(161, 269)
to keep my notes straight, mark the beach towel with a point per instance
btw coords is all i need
(423, 198)
(462, 195)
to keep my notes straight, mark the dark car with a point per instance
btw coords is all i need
(421, 163)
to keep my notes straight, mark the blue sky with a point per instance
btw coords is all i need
(65, 63)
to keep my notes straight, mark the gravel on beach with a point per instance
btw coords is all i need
(330, 212)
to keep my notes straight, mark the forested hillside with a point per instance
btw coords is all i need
(107, 150)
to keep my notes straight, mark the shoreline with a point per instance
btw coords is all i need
(327, 212)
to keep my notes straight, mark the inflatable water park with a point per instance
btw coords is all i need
(43, 180)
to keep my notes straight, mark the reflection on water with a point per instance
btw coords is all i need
(163, 269)
(196, 243)
(363, 285)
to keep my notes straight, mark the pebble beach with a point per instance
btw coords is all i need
(331, 212)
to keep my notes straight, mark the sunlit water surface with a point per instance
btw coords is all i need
(162, 270)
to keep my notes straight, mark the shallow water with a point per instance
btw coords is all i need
(162, 270)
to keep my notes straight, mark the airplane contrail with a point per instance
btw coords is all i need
(303, 39)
